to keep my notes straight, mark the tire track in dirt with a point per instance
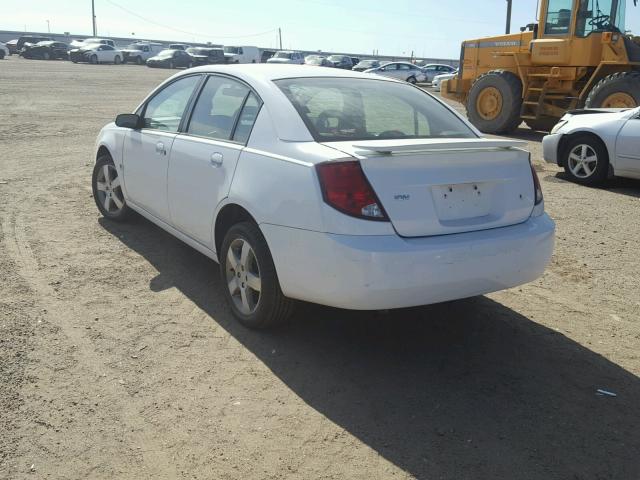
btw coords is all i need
(86, 358)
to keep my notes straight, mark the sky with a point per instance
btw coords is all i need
(428, 28)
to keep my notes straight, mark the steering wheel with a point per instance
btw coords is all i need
(600, 22)
(322, 122)
(391, 134)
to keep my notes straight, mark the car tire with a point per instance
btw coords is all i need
(107, 190)
(138, 60)
(585, 160)
(46, 56)
(259, 309)
(494, 102)
(618, 90)
(171, 65)
(1, 54)
(412, 80)
(190, 65)
(117, 60)
(94, 59)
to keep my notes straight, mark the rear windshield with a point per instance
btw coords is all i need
(335, 109)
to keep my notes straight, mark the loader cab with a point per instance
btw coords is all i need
(574, 32)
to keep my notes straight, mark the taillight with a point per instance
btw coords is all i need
(537, 189)
(345, 188)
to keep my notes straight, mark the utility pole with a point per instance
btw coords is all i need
(93, 17)
(48, 27)
(280, 37)
(508, 31)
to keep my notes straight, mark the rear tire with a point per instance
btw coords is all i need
(46, 56)
(107, 190)
(586, 160)
(412, 80)
(94, 60)
(138, 60)
(618, 90)
(117, 60)
(171, 65)
(256, 309)
(494, 102)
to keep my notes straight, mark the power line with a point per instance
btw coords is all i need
(185, 32)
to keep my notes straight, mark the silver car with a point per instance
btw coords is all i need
(401, 70)
(431, 70)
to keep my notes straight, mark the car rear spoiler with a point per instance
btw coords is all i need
(429, 145)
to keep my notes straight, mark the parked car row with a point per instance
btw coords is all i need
(179, 55)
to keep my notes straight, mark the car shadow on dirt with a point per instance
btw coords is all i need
(467, 389)
(619, 185)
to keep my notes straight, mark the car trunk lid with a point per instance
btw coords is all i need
(444, 186)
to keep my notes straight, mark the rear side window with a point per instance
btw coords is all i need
(165, 110)
(247, 118)
(335, 109)
(217, 108)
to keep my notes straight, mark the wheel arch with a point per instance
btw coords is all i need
(566, 139)
(103, 150)
(228, 215)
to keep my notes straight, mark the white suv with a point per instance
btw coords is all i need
(286, 56)
(140, 52)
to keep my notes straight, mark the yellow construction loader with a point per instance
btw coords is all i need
(577, 55)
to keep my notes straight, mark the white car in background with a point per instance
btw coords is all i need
(595, 144)
(431, 70)
(401, 71)
(140, 52)
(96, 53)
(92, 40)
(242, 54)
(287, 57)
(436, 83)
(310, 197)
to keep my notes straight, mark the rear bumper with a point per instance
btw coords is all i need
(385, 272)
(550, 147)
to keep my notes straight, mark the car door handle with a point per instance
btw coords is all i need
(160, 148)
(216, 159)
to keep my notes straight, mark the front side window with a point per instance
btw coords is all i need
(217, 108)
(335, 109)
(600, 16)
(165, 110)
(558, 21)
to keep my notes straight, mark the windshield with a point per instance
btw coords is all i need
(165, 54)
(314, 60)
(134, 46)
(335, 109)
(335, 58)
(368, 63)
(235, 50)
(197, 51)
(282, 55)
(600, 16)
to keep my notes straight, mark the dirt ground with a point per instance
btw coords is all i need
(119, 358)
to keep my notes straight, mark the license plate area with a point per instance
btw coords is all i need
(462, 201)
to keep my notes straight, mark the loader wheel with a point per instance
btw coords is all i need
(494, 102)
(618, 90)
(544, 124)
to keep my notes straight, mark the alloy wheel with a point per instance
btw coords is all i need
(109, 189)
(582, 161)
(243, 276)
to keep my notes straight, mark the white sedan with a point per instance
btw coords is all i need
(436, 83)
(595, 144)
(400, 71)
(334, 187)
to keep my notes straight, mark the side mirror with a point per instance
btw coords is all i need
(129, 120)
